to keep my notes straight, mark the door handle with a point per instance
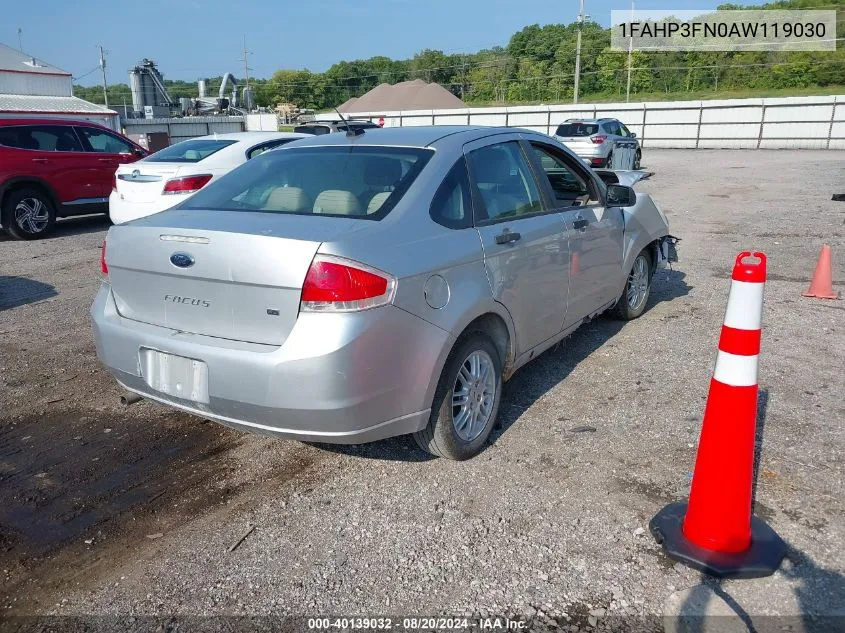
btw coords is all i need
(580, 224)
(107, 160)
(507, 236)
(40, 160)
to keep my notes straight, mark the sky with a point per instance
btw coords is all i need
(190, 39)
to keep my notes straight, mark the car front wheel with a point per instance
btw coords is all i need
(637, 289)
(466, 401)
(637, 158)
(28, 214)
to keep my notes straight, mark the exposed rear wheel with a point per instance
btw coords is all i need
(466, 401)
(28, 214)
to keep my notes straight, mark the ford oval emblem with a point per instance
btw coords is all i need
(182, 260)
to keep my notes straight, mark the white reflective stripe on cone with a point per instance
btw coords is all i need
(745, 305)
(734, 370)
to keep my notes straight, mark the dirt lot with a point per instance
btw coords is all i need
(108, 510)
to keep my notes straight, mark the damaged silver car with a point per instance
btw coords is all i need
(352, 287)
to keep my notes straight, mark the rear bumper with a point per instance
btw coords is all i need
(342, 378)
(592, 153)
(121, 211)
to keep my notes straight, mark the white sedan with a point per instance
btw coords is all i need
(166, 178)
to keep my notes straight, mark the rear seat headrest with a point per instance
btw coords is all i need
(338, 202)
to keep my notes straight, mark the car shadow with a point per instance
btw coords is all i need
(532, 381)
(67, 227)
(18, 291)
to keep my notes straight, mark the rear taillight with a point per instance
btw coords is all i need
(334, 284)
(598, 139)
(114, 182)
(186, 184)
(104, 269)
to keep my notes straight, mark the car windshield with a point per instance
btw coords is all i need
(577, 129)
(363, 182)
(192, 151)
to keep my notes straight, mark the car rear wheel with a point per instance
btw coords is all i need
(28, 214)
(637, 289)
(466, 401)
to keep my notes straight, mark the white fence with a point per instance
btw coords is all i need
(185, 128)
(767, 123)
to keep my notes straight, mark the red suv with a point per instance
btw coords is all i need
(53, 168)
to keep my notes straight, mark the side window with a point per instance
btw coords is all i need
(612, 127)
(625, 131)
(260, 149)
(104, 142)
(16, 136)
(452, 204)
(571, 188)
(51, 138)
(505, 183)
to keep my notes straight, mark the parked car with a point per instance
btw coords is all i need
(318, 128)
(352, 288)
(53, 168)
(171, 175)
(595, 140)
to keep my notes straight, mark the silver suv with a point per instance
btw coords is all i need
(596, 140)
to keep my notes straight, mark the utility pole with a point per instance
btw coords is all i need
(103, 68)
(245, 60)
(20, 39)
(630, 53)
(578, 49)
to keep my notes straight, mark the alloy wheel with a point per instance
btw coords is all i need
(32, 215)
(473, 395)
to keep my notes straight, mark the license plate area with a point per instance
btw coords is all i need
(176, 376)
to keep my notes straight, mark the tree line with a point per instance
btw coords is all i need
(537, 65)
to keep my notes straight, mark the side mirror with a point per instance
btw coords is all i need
(621, 196)
(633, 135)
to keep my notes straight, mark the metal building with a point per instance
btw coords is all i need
(30, 87)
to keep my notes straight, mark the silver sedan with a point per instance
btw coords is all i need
(353, 287)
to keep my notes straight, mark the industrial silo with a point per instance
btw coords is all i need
(136, 86)
(248, 100)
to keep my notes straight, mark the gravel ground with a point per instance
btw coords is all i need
(112, 511)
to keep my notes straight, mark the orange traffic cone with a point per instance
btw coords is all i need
(821, 286)
(715, 530)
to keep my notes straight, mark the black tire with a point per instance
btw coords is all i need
(441, 438)
(637, 158)
(23, 225)
(624, 309)
(608, 160)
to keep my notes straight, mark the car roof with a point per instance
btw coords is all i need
(602, 120)
(251, 137)
(48, 121)
(416, 136)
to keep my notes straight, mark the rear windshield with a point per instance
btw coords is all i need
(192, 151)
(363, 182)
(577, 129)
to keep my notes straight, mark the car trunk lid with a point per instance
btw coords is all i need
(143, 181)
(233, 275)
